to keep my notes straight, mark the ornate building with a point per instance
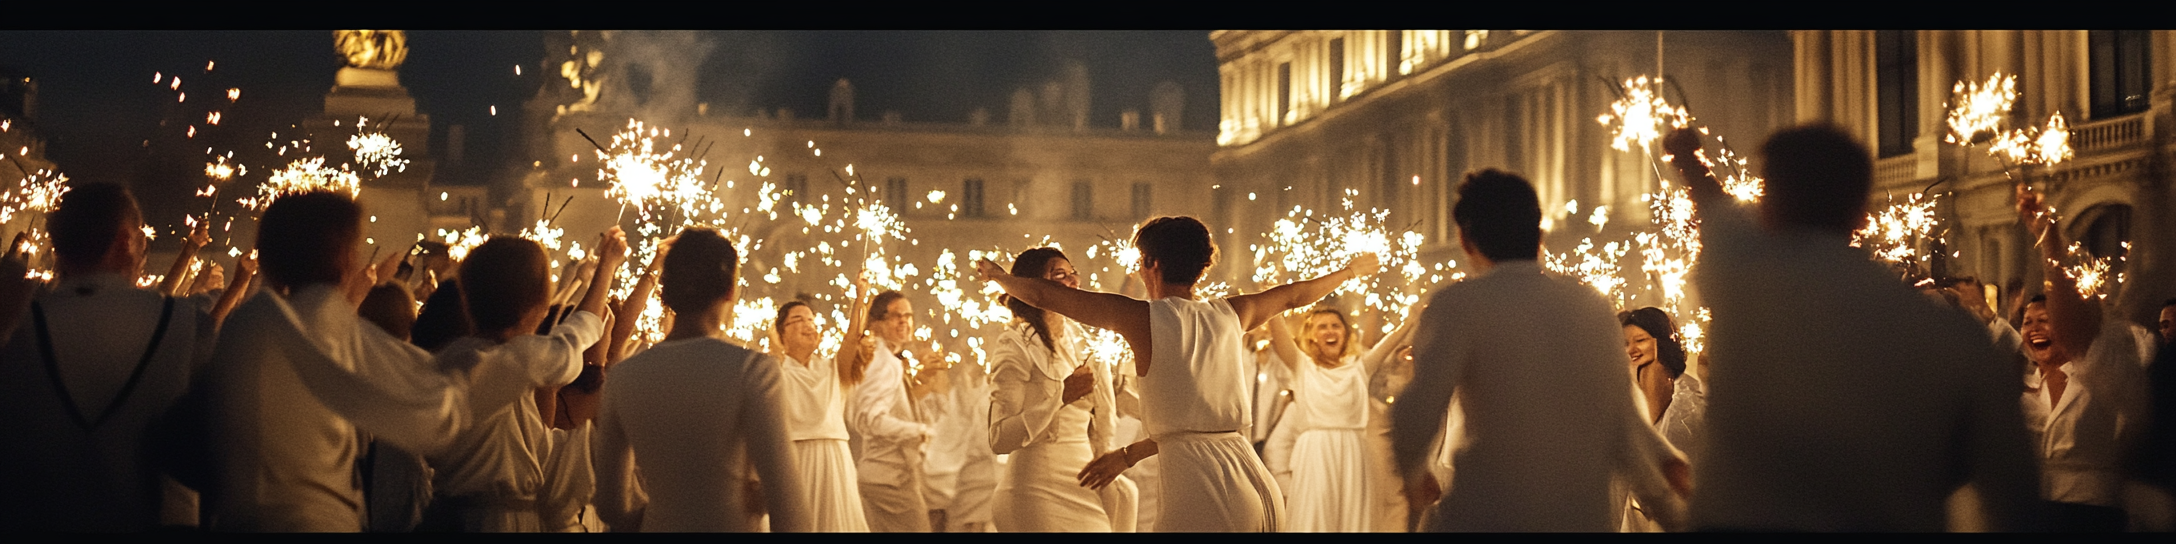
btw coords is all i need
(2115, 88)
(975, 183)
(1400, 115)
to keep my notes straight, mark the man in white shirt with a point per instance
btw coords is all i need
(93, 367)
(885, 412)
(1539, 367)
(296, 373)
(2085, 397)
(1841, 399)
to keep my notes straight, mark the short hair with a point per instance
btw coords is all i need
(779, 323)
(701, 269)
(2171, 302)
(1817, 176)
(1656, 323)
(1179, 245)
(309, 238)
(882, 303)
(1500, 213)
(88, 220)
(503, 280)
(391, 307)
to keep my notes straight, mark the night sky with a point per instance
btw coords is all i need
(98, 106)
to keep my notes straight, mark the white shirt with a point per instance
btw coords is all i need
(1838, 398)
(502, 455)
(93, 474)
(2083, 438)
(815, 407)
(1539, 368)
(1205, 387)
(893, 433)
(292, 380)
(679, 428)
(1029, 382)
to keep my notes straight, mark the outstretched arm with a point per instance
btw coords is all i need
(1126, 316)
(1387, 347)
(1257, 308)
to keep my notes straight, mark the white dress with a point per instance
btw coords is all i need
(816, 422)
(493, 477)
(1195, 403)
(1331, 490)
(1048, 442)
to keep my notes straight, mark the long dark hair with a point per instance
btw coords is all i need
(1034, 263)
(1668, 349)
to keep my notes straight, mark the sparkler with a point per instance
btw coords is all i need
(1303, 245)
(1895, 233)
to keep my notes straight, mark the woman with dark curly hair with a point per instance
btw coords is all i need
(1676, 403)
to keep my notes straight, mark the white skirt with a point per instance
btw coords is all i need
(1213, 482)
(827, 468)
(1331, 489)
(1041, 492)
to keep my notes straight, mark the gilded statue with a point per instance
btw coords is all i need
(372, 49)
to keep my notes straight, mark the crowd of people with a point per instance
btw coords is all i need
(311, 391)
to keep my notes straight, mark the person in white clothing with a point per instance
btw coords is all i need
(816, 422)
(2085, 397)
(1331, 489)
(1050, 412)
(96, 364)
(885, 412)
(1538, 365)
(1814, 346)
(296, 374)
(1672, 398)
(493, 478)
(1194, 390)
(690, 433)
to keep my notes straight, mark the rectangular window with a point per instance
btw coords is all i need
(1084, 201)
(971, 198)
(2120, 71)
(1896, 81)
(895, 194)
(1141, 200)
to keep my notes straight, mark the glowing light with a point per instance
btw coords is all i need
(377, 152)
(302, 176)
(1642, 115)
(1977, 111)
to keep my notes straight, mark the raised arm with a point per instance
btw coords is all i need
(630, 310)
(171, 286)
(1387, 347)
(1284, 345)
(1257, 308)
(854, 350)
(611, 253)
(1126, 316)
(2076, 320)
(245, 270)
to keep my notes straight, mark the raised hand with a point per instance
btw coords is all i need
(612, 249)
(987, 271)
(1365, 265)
(2032, 212)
